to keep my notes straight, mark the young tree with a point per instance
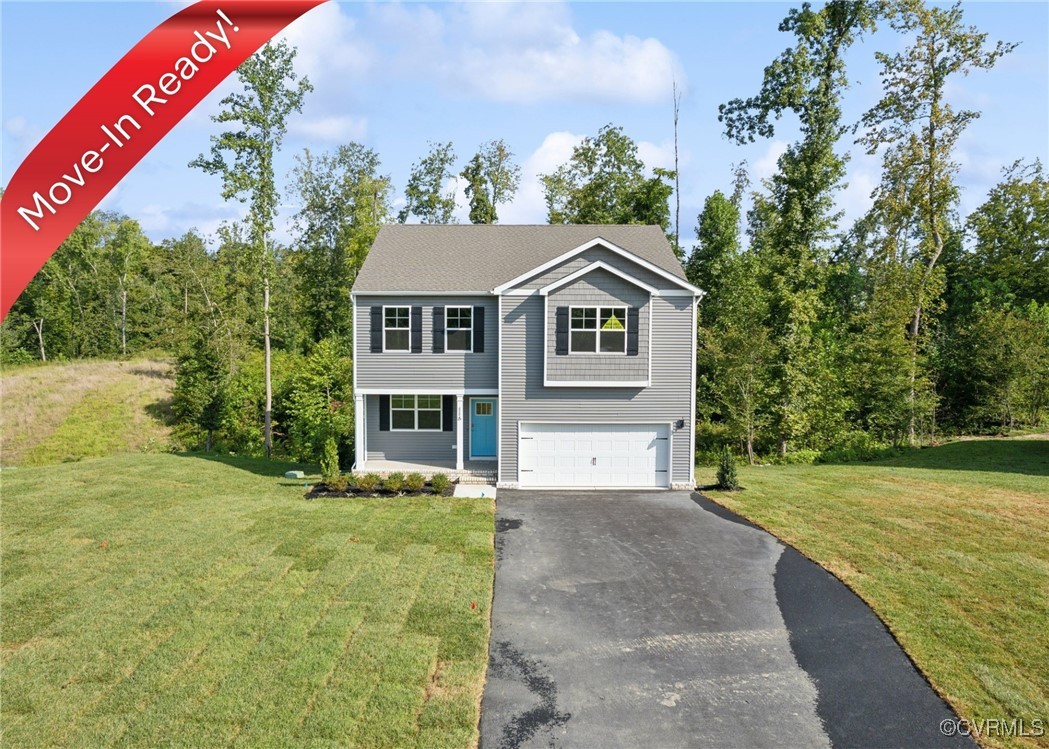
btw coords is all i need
(492, 178)
(918, 129)
(344, 202)
(426, 195)
(604, 183)
(126, 252)
(259, 116)
(201, 377)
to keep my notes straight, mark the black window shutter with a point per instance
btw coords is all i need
(438, 330)
(478, 330)
(376, 329)
(562, 331)
(417, 330)
(633, 316)
(448, 406)
(384, 413)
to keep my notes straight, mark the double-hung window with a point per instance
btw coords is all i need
(396, 329)
(415, 413)
(598, 330)
(459, 328)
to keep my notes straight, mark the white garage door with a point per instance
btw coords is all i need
(589, 455)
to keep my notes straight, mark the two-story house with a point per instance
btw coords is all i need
(540, 356)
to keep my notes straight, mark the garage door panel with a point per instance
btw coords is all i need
(594, 455)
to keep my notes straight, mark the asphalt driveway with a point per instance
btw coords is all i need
(657, 619)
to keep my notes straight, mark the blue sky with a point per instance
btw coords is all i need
(539, 75)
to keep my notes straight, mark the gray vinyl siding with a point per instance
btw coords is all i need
(523, 396)
(593, 255)
(598, 288)
(453, 370)
(406, 446)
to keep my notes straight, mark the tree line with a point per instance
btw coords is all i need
(816, 339)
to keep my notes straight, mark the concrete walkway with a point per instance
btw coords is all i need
(654, 619)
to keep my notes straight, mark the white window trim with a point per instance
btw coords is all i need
(386, 348)
(448, 328)
(597, 330)
(415, 411)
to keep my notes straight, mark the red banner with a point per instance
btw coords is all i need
(120, 119)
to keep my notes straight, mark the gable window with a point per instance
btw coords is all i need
(415, 413)
(396, 328)
(598, 330)
(459, 328)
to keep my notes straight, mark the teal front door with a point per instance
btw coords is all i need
(482, 427)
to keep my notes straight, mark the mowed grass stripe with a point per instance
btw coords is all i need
(226, 609)
(949, 545)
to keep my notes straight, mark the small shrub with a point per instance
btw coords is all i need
(338, 483)
(394, 482)
(330, 460)
(414, 482)
(369, 482)
(440, 483)
(727, 478)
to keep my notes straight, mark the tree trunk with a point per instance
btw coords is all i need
(38, 326)
(750, 447)
(207, 442)
(123, 322)
(267, 428)
(677, 179)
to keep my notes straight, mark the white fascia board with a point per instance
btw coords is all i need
(598, 265)
(427, 390)
(597, 384)
(420, 293)
(502, 288)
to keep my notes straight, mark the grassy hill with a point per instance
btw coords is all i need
(69, 411)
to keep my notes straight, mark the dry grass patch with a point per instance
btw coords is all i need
(75, 410)
(949, 545)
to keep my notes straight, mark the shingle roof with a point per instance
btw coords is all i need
(477, 258)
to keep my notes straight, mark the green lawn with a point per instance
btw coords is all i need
(162, 600)
(950, 546)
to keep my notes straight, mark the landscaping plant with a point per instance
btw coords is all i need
(394, 482)
(727, 479)
(414, 482)
(440, 483)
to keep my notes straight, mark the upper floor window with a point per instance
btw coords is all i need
(459, 328)
(598, 330)
(396, 328)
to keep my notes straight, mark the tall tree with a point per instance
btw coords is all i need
(259, 116)
(605, 183)
(430, 193)
(919, 129)
(718, 233)
(798, 221)
(344, 201)
(492, 178)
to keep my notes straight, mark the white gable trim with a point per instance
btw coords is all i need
(598, 265)
(597, 241)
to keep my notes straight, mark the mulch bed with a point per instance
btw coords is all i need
(320, 490)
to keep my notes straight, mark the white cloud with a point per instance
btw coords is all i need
(766, 166)
(328, 45)
(529, 205)
(661, 155)
(23, 133)
(525, 52)
(333, 129)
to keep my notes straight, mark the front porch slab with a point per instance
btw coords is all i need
(474, 471)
